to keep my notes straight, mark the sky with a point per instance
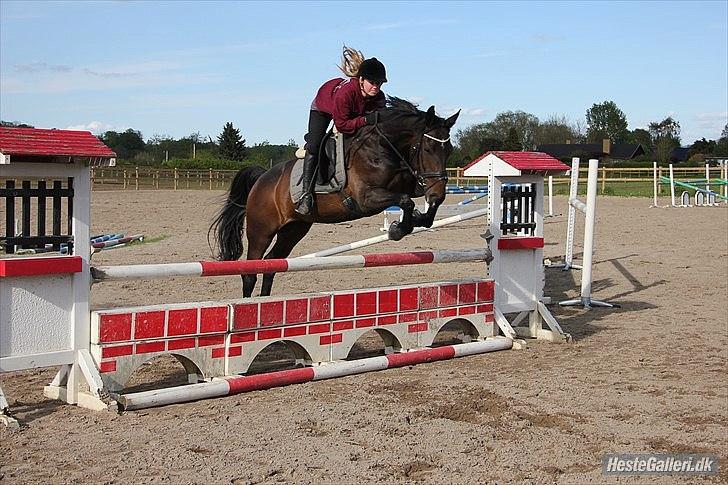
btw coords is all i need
(177, 68)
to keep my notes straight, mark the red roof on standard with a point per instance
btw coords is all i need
(41, 142)
(524, 161)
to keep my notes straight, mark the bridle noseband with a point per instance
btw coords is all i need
(416, 154)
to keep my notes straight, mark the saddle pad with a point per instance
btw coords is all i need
(336, 181)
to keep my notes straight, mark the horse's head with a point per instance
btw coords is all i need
(422, 141)
(434, 149)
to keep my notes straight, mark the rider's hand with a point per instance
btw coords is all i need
(371, 118)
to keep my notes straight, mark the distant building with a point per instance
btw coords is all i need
(679, 154)
(619, 151)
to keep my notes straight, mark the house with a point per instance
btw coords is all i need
(619, 151)
(679, 154)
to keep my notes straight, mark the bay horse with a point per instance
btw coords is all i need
(401, 156)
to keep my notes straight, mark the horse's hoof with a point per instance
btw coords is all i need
(395, 232)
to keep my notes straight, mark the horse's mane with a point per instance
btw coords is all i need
(398, 106)
(398, 109)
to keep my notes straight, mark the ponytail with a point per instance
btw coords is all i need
(351, 59)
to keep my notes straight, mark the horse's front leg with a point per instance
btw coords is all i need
(376, 200)
(398, 230)
(425, 220)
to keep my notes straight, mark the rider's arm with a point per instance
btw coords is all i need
(347, 117)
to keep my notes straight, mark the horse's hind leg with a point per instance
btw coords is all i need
(257, 245)
(288, 237)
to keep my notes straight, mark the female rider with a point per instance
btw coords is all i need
(350, 102)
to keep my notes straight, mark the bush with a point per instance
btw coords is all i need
(205, 161)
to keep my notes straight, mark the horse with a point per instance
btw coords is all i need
(379, 175)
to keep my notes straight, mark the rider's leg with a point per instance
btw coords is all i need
(318, 122)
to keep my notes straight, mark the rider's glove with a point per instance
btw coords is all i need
(371, 118)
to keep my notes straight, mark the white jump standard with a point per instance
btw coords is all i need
(589, 210)
(45, 318)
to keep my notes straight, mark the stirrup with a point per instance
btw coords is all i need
(305, 204)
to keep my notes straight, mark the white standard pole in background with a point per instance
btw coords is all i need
(672, 186)
(590, 215)
(551, 196)
(654, 183)
(573, 191)
(707, 180)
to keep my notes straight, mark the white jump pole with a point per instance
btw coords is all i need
(589, 210)
(672, 186)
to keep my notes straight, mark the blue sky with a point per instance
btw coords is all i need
(174, 68)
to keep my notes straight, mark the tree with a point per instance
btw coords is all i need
(470, 143)
(640, 136)
(232, 146)
(702, 147)
(513, 142)
(524, 126)
(15, 124)
(606, 120)
(557, 129)
(721, 146)
(126, 144)
(665, 137)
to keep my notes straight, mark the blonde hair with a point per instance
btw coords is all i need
(351, 59)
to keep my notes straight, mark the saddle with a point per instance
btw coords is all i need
(332, 150)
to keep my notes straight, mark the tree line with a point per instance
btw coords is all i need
(518, 130)
(509, 130)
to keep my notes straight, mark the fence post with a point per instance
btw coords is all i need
(604, 178)
(136, 178)
(123, 177)
(210, 179)
(188, 179)
(175, 178)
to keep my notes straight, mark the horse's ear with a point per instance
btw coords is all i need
(430, 116)
(451, 120)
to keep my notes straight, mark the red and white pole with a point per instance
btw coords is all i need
(229, 386)
(261, 266)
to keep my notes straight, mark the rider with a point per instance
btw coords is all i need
(350, 103)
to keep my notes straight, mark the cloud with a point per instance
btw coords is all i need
(96, 127)
(464, 112)
(407, 24)
(38, 66)
(41, 78)
(711, 122)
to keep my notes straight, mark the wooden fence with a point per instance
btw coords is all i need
(146, 178)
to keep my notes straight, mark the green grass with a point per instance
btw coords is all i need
(620, 189)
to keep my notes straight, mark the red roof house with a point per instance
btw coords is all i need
(42, 145)
(514, 164)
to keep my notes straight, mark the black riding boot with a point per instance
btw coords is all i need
(305, 203)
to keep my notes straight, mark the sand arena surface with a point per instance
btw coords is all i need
(651, 376)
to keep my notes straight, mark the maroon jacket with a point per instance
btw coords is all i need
(342, 99)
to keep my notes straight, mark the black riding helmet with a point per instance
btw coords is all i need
(373, 70)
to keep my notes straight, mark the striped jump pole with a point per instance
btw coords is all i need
(228, 386)
(473, 198)
(385, 237)
(261, 266)
(115, 242)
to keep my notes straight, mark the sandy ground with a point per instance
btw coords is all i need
(651, 376)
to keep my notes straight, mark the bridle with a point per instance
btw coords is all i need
(416, 154)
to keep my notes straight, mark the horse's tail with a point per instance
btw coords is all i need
(227, 226)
